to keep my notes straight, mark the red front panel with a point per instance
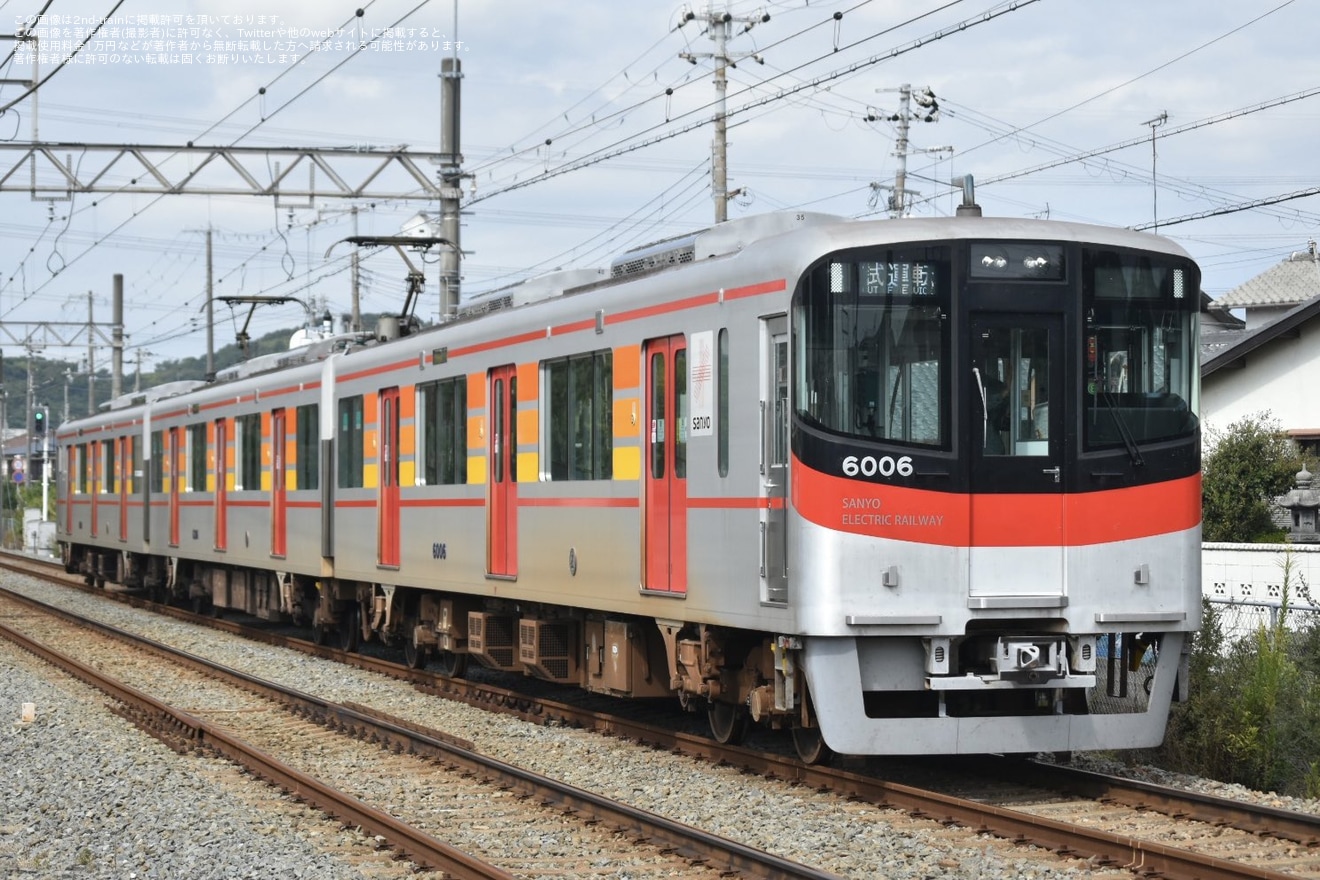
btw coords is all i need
(387, 529)
(278, 525)
(664, 484)
(502, 482)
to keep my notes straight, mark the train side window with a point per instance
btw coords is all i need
(81, 450)
(581, 419)
(107, 484)
(681, 416)
(157, 461)
(197, 458)
(350, 442)
(308, 447)
(722, 403)
(442, 432)
(248, 439)
(134, 464)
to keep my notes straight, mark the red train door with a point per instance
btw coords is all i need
(176, 477)
(97, 452)
(278, 528)
(125, 472)
(664, 455)
(502, 484)
(69, 476)
(221, 485)
(387, 511)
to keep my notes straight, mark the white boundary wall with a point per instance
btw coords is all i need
(1254, 572)
(1250, 576)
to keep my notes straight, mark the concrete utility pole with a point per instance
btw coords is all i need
(718, 27)
(117, 346)
(355, 316)
(929, 112)
(91, 356)
(210, 310)
(451, 182)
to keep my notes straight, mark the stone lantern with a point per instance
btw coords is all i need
(1303, 503)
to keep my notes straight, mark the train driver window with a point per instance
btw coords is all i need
(871, 346)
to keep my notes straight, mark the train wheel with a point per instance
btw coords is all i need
(321, 633)
(451, 664)
(349, 630)
(810, 745)
(728, 723)
(414, 655)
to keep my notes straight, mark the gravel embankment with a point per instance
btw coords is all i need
(96, 792)
(87, 795)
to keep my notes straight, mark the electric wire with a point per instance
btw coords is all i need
(629, 145)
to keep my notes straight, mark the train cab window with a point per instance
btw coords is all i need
(350, 442)
(442, 432)
(197, 458)
(1140, 352)
(248, 440)
(871, 345)
(307, 469)
(580, 422)
(157, 483)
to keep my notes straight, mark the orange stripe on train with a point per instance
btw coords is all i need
(957, 520)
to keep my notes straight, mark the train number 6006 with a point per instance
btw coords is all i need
(885, 466)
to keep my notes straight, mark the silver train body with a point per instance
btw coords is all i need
(898, 487)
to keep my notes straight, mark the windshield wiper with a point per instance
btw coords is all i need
(1124, 431)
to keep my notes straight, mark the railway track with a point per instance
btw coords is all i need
(1148, 829)
(429, 795)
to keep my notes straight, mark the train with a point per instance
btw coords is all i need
(893, 486)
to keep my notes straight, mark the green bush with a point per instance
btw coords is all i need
(1253, 714)
(1244, 468)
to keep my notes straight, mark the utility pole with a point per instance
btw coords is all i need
(718, 27)
(1155, 123)
(210, 311)
(451, 181)
(929, 111)
(355, 319)
(91, 357)
(117, 334)
(27, 408)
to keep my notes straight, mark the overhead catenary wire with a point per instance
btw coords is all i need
(631, 144)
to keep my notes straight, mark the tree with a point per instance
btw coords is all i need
(1246, 468)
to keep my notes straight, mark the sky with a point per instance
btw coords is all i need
(585, 132)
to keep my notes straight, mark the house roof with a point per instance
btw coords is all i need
(1228, 348)
(1292, 282)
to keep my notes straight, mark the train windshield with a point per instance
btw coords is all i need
(871, 332)
(1139, 353)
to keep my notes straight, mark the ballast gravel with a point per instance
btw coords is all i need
(85, 794)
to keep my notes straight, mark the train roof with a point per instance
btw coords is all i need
(817, 234)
